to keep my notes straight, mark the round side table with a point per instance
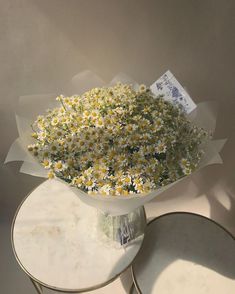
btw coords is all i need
(56, 243)
(185, 253)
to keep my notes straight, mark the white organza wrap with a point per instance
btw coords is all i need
(31, 106)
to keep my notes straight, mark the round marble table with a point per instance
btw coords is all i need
(56, 242)
(185, 253)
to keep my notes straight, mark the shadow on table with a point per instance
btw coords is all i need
(187, 237)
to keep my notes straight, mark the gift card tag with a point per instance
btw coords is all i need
(168, 86)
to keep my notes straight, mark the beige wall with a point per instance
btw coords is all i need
(44, 43)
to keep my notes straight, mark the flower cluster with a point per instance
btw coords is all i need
(116, 141)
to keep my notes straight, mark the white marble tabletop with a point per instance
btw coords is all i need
(185, 253)
(57, 243)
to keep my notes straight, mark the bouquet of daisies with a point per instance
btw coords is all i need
(117, 141)
(116, 146)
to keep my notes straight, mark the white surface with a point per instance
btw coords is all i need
(184, 253)
(56, 240)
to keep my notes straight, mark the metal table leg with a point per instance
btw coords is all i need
(37, 286)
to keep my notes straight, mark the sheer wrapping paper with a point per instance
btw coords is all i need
(31, 106)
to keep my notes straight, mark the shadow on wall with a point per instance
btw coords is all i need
(215, 182)
(17, 186)
(218, 184)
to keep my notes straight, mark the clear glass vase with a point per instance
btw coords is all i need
(122, 229)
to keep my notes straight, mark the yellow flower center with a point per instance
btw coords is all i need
(127, 180)
(119, 190)
(46, 163)
(50, 175)
(78, 181)
(58, 165)
(89, 183)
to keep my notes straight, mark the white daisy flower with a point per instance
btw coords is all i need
(86, 114)
(42, 135)
(187, 171)
(161, 147)
(99, 122)
(50, 175)
(126, 180)
(88, 172)
(54, 148)
(89, 184)
(31, 147)
(158, 124)
(142, 88)
(78, 181)
(94, 114)
(55, 121)
(105, 189)
(47, 163)
(59, 166)
(184, 163)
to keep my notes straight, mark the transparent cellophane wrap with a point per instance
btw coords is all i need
(115, 212)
